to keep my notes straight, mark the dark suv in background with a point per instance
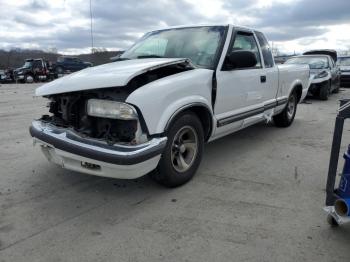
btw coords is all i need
(33, 70)
(67, 64)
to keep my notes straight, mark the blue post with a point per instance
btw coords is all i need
(342, 205)
(344, 184)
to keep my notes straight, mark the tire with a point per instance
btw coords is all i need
(28, 79)
(325, 91)
(171, 171)
(336, 90)
(286, 117)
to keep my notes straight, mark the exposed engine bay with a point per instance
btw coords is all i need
(69, 110)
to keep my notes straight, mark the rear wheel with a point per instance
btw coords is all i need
(325, 90)
(286, 117)
(183, 152)
(336, 90)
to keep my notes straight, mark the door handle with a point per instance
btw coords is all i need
(263, 79)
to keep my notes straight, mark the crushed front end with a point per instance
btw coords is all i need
(96, 132)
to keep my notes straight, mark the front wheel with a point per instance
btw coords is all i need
(183, 152)
(286, 117)
(28, 79)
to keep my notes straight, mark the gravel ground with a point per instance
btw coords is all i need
(258, 196)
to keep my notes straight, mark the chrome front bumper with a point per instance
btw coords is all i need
(65, 147)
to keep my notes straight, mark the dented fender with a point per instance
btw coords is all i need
(160, 100)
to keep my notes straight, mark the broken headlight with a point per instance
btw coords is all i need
(111, 109)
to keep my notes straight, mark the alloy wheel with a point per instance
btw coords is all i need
(184, 149)
(291, 106)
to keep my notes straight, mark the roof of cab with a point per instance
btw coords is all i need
(202, 25)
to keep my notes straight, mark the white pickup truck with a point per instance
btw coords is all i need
(171, 92)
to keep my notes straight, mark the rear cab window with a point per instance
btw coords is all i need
(265, 49)
(37, 64)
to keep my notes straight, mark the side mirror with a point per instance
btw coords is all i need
(240, 59)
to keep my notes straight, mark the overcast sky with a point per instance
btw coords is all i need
(295, 25)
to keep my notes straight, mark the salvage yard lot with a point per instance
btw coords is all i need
(257, 196)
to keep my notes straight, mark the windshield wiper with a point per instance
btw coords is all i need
(149, 56)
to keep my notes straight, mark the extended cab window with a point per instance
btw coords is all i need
(265, 49)
(246, 41)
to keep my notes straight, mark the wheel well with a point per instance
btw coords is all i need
(299, 90)
(204, 115)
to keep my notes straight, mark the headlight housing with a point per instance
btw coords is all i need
(321, 75)
(111, 109)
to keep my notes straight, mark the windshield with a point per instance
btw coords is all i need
(313, 62)
(200, 44)
(344, 61)
(28, 64)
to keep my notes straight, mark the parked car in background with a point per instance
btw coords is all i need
(66, 64)
(9, 78)
(2, 76)
(33, 70)
(171, 92)
(344, 65)
(324, 73)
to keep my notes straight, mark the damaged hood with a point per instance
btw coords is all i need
(107, 75)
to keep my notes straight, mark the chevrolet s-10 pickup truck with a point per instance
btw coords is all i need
(153, 110)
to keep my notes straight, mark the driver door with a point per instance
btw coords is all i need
(239, 91)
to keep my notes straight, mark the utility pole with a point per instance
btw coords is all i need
(92, 37)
